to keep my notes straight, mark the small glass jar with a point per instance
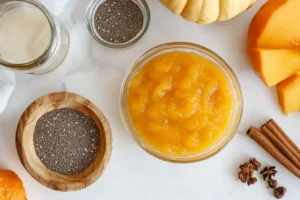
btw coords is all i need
(57, 48)
(206, 53)
(90, 22)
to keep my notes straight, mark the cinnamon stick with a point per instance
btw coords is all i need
(267, 132)
(285, 136)
(282, 136)
(265, 143)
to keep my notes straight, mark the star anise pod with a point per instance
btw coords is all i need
(272, 183)
(247, 169)
(268, 172)
(256, 164)
(243, 177)
(251, 181)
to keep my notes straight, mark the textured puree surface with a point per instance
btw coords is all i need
(180, 103)
(66, 141)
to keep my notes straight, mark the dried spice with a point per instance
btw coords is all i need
(268, 172)
(251, 181)
(277, 143)
(256, 164)
(243, 177)
(279, 192)
(247, 169)
(272, 183)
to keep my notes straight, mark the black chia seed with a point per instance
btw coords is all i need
(118, 21)
(66, 141)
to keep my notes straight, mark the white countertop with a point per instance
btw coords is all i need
(96, 73)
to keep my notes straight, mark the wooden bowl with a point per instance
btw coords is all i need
(29, 158)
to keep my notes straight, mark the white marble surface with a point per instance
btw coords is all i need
(96, 73)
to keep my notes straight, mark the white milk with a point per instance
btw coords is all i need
(25, 34)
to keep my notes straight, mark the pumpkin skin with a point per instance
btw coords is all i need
(11, 187)
(207, 11)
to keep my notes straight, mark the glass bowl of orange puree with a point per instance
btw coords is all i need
(181, 102)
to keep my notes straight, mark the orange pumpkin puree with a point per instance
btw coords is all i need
(180, 103)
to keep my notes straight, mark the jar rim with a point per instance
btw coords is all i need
(236, 116)
(89, 18)
(50, 48)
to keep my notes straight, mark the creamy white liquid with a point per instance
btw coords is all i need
(25, 34)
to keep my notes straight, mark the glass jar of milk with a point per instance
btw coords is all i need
(31, 40)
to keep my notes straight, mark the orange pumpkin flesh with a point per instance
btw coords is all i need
(274, 41)
(273, 66)
(289, 94)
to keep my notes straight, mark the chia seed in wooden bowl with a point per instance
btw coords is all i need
(64, 141)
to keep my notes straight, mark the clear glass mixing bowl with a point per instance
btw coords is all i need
(206, 53)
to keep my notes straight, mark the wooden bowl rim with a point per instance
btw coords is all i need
(97, 172)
